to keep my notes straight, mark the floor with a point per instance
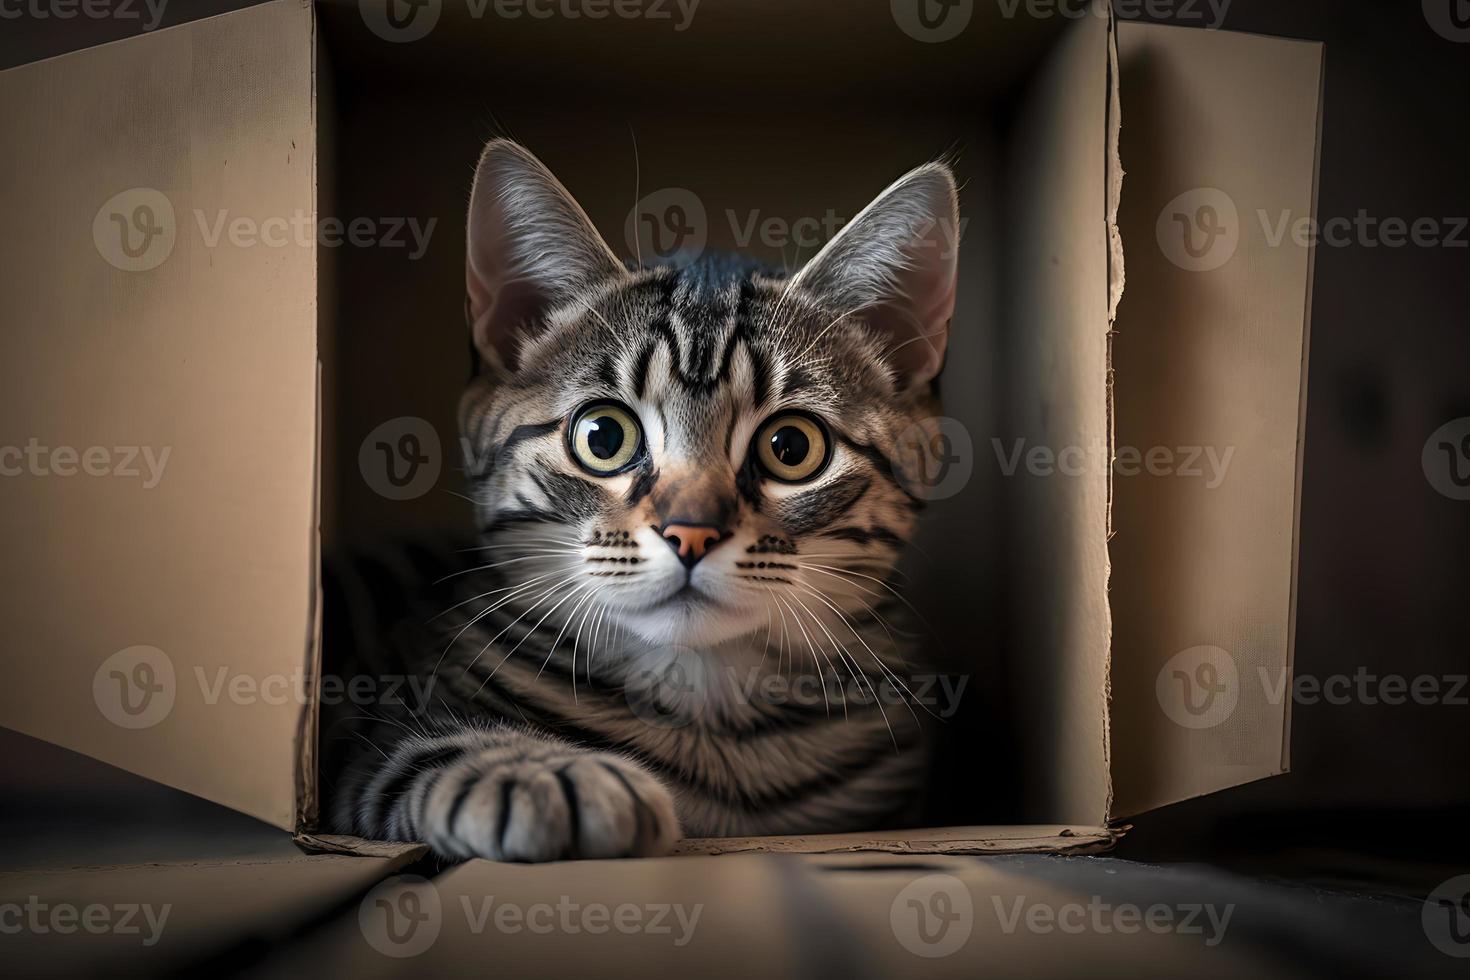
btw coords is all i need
(102, 875)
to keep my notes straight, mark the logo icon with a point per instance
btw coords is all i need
(668, 226)
(671, 692)
(135, 230)
(932, 21)
(1446, 459)
(401, 458)
(934, 458)
(933, 916)
(1199, 230)
(1450, 19)
(1446, 917)
(400, 21)
(1199, 687)
(135, 688)
(401, 917)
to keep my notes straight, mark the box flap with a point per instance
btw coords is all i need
(172, 917)
(760, 915)
(1059, 281)
(1220, 140)
(158, 398)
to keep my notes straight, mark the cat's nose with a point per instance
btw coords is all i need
(691, 541)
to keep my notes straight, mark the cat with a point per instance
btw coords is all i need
(690, 501)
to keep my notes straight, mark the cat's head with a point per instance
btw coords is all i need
(698, 450)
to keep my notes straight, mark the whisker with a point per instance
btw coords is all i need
(813, 650)
(509, 561)
(885, 585)
(482, 595)
(525, 612)
(519, 590)
(590, 590)
(885, 670)
(837, 648)
(521, 545)
(837, 574)
(577, 642)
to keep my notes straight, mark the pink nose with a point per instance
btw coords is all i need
(691, 541)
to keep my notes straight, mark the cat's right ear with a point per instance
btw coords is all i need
(531, 248)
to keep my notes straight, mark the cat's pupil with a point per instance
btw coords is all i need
(604, 437)
(790, 445)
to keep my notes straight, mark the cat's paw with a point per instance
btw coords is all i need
(572, 805)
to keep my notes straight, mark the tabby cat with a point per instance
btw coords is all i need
(690, 501)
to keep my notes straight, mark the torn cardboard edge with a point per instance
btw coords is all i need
(1113, 191)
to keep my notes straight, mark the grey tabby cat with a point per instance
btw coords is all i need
(688, 489)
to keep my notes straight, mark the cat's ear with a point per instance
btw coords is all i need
(531, 248)
(896, 264)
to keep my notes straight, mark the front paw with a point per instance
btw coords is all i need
(567, 805)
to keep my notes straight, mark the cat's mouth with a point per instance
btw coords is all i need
(687, 597)
(690, 594)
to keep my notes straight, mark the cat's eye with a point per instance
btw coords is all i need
(605, 438)
(793, 447)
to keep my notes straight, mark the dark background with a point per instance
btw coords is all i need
(1376, 790)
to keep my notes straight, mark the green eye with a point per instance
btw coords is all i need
(605, 438)
(793, 447)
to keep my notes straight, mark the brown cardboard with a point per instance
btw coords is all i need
(1214, 358)
(199, 909)
(742, 916)
(211, 354)
(1058, 265)
(214, 353)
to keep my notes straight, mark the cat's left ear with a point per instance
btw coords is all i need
(531, 248)
(897, 264)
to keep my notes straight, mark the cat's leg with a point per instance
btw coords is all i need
(506, 794)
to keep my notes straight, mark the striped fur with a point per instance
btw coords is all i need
(583, 692)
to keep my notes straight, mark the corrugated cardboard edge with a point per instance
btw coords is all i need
(358, 847)
(1113, 167)
(1047, 840)
(960, 840)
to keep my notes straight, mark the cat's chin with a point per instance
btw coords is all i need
(695, 621)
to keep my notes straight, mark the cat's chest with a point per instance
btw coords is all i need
(731, 731)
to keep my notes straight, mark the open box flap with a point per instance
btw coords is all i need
(1220, 139)
(159, 614)
(1059, 278)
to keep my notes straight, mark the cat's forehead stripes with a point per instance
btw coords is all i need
(704, 356)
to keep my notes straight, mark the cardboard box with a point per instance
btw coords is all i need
(169, 622)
